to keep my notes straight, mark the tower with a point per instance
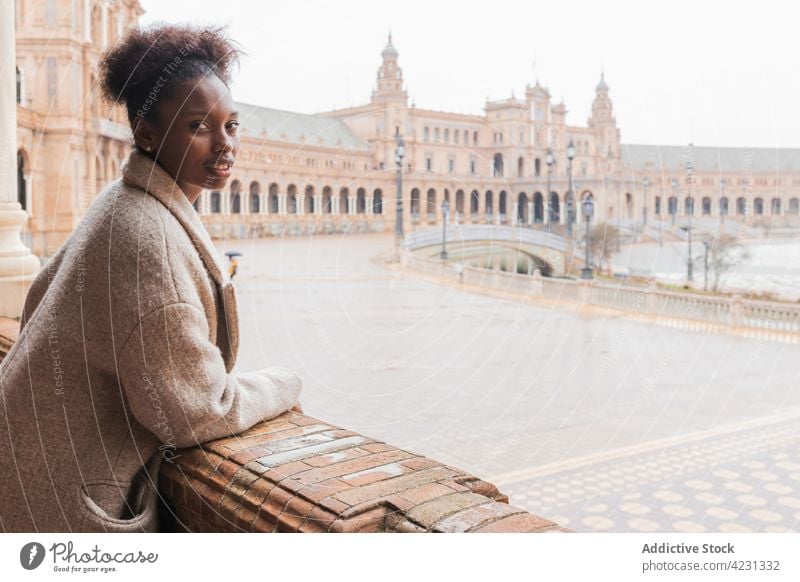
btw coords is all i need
(603, 124)
(389, 85)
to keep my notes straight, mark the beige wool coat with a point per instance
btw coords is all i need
(126, 352)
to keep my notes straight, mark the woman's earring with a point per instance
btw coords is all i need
(147, 148)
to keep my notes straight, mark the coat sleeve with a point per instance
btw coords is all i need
(176, 384)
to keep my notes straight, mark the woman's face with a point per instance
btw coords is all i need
(194, 134)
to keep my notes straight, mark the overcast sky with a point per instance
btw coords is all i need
(712, 73)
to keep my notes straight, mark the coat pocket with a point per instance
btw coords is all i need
(123, 507)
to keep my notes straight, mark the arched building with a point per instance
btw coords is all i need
(336, 171)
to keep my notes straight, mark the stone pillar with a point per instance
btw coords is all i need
(282, 201)
(368, 205)
(351, 204)
(104, 26)
(481, 218)
(87, 21)
(531, 217)
(301, 204)
(317, 203)
(18, 266)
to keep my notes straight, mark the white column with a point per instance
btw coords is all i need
(282, 199)
(368, 208)
(351, 204)
(317, 203)
(18, 266)
(530, 212)
(87, 20)
(103, 25)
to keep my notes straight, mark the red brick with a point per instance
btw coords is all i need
(375, 447)
(328, 459)
(517, 524)
(475, 517)
(393, 485)
(422, 463)
(427, 514)
(425, 492)
(352, 466)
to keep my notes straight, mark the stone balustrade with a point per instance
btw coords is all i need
(718, 310)
(295, 473)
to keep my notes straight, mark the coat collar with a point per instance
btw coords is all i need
(143, 172)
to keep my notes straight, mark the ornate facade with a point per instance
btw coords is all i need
(336, 171)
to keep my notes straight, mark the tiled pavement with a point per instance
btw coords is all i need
(505, 388)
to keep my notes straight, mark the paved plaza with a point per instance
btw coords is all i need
(601, 423)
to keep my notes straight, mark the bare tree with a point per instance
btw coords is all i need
(724, 252)
(604, 243)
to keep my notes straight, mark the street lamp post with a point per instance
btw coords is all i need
(445, 218)
(550, 159)
(570, 194)
(588, 211)
(400, 151)
(690, 208)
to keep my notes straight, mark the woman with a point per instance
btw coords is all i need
(129, 334)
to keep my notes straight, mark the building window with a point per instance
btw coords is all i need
(19, 86)
(475, 138)
(451, 164)
(456, 136)
(436, 135)
(428, 162)
(446, 136)
(472, 165)
(426, 134)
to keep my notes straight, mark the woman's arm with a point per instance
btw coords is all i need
(175, 381)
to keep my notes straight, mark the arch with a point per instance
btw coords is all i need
(22, 185)
(502, 203)
(522, 208)
(758, 206)
(216, 202)
(489, 203)
(326, 199)
(537, 167)
(308, 199)
(497, 165)
(705, 205)
(794, 206)
(361, 201)
(775, 206)
(291, 199)
(672, 206)
(538, 208)
(255, 197)
(474, 204)
(414, 207)
(741, 206)
(520, 167)
(723, 206)
(430, 204)
(236, 197)
(688, 206)
(459, 203)
(555, 208)
(274, 206)
(377, 201)
(344, 194)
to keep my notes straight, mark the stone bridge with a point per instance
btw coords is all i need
(509, 248)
